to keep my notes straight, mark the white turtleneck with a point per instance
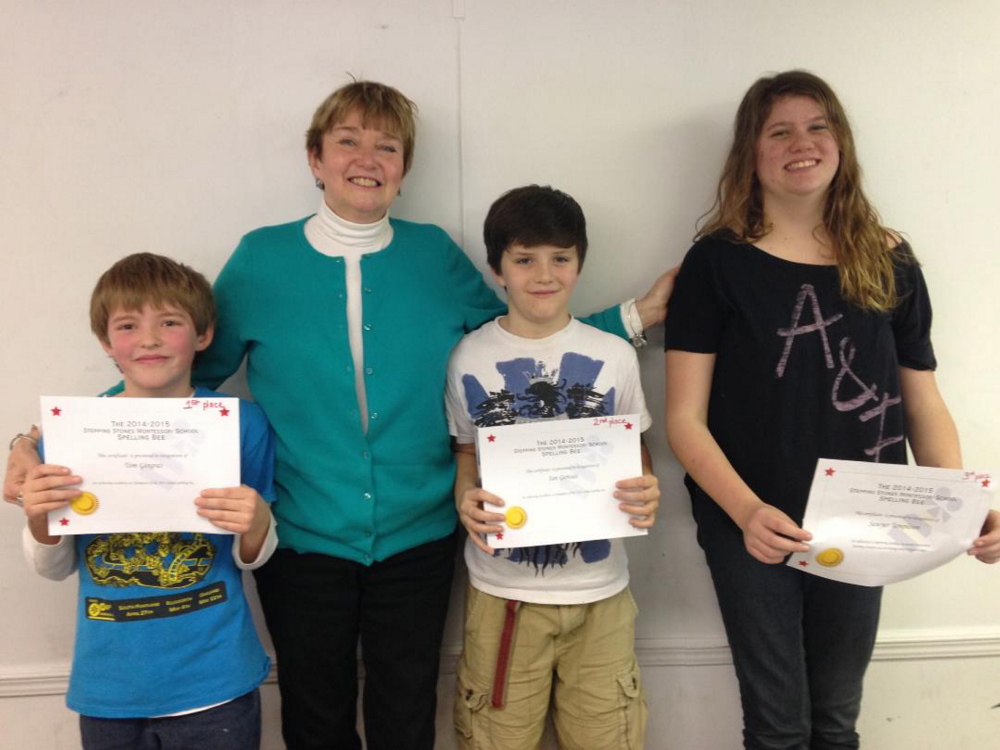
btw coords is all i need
(339, 238)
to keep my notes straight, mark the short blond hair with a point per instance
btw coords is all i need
(380, 106)
(147, 279)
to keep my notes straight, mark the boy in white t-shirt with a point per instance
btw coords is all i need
(554, 623)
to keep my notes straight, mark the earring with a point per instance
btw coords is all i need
(319, 183)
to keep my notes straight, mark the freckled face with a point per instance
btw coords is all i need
(154, 348)
(797, 155)
(361, 170)
(539, 282)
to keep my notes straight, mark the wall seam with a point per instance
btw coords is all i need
(458, 13)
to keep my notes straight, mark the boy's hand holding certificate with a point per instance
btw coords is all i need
(143, 460)
(557, 478)
(874, 524)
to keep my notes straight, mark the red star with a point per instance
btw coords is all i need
(986, 483)
(56, 411)
(830, 472)
(628, 425)
(491, 438)
(64, 522)
(499, 535)
(803, 563)
(224, 412)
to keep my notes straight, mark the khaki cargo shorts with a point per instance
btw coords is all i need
(580, 659)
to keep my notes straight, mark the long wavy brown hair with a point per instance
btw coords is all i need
(862, 245)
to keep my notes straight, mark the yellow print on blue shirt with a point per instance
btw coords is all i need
(165, 560)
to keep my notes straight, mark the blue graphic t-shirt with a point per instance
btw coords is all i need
(496, 378)
(162, 625)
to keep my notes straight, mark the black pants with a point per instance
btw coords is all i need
(317, 607)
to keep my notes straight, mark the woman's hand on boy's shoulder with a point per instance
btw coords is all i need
(652, 307)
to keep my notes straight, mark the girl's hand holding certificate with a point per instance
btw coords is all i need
(769, 534)
(987, 547)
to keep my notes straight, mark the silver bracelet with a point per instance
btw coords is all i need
(638, 338)
(22, 436)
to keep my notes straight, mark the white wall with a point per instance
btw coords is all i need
(130, 125)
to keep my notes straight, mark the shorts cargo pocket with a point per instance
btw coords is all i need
(469, 720)
(634, 714)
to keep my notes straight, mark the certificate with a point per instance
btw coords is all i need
(143, 460)
(557, 478)
(880, 523)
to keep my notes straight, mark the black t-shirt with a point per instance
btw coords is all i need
(799, 373)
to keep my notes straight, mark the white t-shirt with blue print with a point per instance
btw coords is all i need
(497, 378)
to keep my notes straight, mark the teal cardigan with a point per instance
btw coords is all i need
(282, 305)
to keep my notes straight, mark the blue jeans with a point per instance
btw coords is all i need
(232, 726)
(800, 643)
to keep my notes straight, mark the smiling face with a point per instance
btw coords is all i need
(154, 348)
(361, 169)
(797, 154)
(539, 281)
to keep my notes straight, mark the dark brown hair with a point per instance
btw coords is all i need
(534, 215)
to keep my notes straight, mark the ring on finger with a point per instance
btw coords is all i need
(19, 499)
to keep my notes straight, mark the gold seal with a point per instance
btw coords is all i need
(516, 518)
(85, 504)
(830, 558)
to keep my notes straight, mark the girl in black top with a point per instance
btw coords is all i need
(799, 328)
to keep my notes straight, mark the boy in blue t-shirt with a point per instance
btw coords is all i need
(188, 678)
